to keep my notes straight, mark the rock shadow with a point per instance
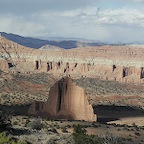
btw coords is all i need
(107, 113)
(15, 109)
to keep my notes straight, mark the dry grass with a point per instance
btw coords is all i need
(102, 92)
(99, 87)
(22, 89)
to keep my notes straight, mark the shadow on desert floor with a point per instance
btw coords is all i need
(104, 113)
(112, 113)
(15, 109)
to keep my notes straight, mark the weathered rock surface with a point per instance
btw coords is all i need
(116, 63)
(67, 101)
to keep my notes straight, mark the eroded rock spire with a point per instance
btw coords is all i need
(66, 101)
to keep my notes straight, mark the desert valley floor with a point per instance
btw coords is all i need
(103, 93)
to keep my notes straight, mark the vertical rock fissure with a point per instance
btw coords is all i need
(51, 66)
(124, 72)
(58, 65)
(59, 95)
(114, 67)
(142, 73)
(48, 67)
(37, 65)
(75, 65)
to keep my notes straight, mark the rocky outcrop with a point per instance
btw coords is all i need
(4, 65)
(66, 101)
(116, 63)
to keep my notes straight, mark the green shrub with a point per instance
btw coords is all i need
(137, 133)
(64, 130)
(6, 139)
(109, 138)
(36, 124)
(15, 123)
(27, 122)
(68, 126)
(57, 127)
(129, 139)
(80, 136)
(53, 130)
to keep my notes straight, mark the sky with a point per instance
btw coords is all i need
(102, 20)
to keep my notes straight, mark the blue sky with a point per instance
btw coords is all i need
(104, 20)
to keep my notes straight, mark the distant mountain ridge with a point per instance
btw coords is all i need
(58, 42)
(65, 43)
(38, 43)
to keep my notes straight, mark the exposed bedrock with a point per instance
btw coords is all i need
(116, 63)
(4, 65)
(66, 101)
(110, 72)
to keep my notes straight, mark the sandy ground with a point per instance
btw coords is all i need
(129, 121)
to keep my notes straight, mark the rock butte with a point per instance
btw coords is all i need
(66, 101)
(116, 63)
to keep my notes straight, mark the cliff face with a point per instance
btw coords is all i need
(66, 101)
(117, 63)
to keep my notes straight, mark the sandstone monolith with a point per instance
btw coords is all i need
(66, 101)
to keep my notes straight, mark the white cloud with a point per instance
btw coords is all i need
(138, 0)
(18, 25)
(85, 21)
(122, 17)
(93, 15)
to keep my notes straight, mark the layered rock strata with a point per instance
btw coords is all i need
(66, 101)
(118, 63)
